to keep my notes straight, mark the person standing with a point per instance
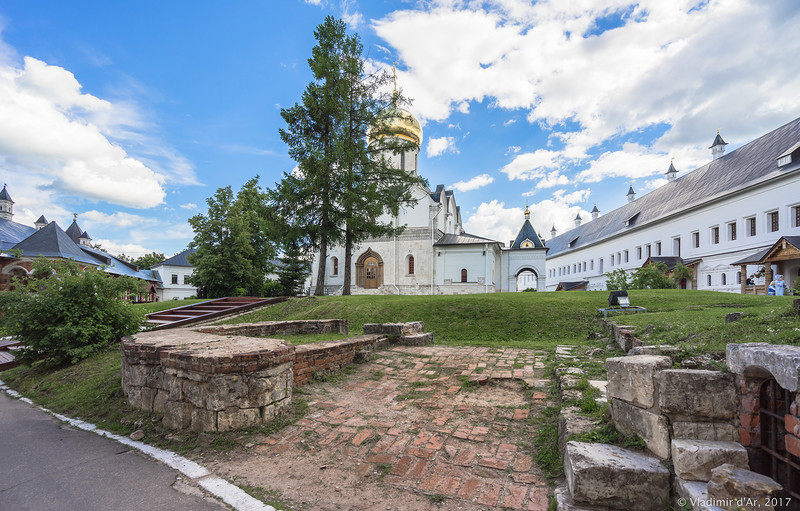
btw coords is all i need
(771, 289)
(780, 285)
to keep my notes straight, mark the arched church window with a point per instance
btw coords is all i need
(709, 280)
(335, 262)
(463, 274)
(724, 279)
(411, 265)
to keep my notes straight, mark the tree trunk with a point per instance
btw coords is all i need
(319, 290)
(348, 258)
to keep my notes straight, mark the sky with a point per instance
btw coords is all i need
(131, 114)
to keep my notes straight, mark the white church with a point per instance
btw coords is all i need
(737, 216)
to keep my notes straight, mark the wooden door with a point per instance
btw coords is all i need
(371, 273)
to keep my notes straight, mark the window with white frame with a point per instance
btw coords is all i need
(638, 253)
(715, 235)
(625, 256)
(658, 248)
(696, 239)
(751, 225)
(732, 231)
(772, 221)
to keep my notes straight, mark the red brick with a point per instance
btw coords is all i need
(363, 469)
(470, 488)
(383, 444)
(537, 499)
(430, 483)
(490, 494)
(506, 451)
(539, 396)
(494, 463)
(749, 420)
(401, 467)
(436, 442)
(420, 452)
(792, 444)
(418, 469)
(380, 458)
(523, 463)
(744, 437)
(361, 436)
(750, 405)
(464, 458)
(329, 438)
(394, 431)
(421, 438)
(450, 485)
(515, 496)
(528, 479)
(480, 430)
(520, 414)
(792, 424)
(399, 445)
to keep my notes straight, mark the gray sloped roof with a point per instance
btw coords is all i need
(177, 259)
(527, 232)
(718, 141)
(463, 239)
(51, 241)
(12, 233)
(568, 286)
(758, 257)
(751, 164)
(4, 195)
(74, 231)
(42, 220)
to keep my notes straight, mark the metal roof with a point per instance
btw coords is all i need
(74, 231)
(568, 286)
(51, 241)
(4, 195)
(12, 233)
(463, 239)
(527, 232)
(751, 164)
(177, 259)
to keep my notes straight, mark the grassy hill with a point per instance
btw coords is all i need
(543, 320)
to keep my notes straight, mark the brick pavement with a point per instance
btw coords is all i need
(446, 422)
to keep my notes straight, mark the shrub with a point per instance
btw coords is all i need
(652, 276)
(617, 280)
(64, 313)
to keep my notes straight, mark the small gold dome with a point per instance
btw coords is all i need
(396, 122)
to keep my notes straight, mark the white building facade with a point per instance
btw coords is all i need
(710, 220)
(175, 273)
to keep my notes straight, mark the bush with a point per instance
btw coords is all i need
(617, 280)
(272, 288)
(64, 313)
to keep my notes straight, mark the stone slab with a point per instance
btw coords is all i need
(632, 379)
(564, 502)
(653, 428)
(781, 361)
(571, 422)
(694, 493)
(729, 483)
(695, 459)
(695, 395)
(607, 475)
(721, 431)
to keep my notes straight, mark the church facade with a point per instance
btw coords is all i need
(433, 254)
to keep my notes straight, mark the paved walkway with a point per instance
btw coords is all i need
(46, 465)
(409, 430)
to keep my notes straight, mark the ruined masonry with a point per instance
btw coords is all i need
(222, 378)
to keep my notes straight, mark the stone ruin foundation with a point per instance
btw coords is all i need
(223, 378)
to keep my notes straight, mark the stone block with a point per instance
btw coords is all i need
(729, 483)
(564, 502)
(695, 459)
(417, 339)
(722, 431)
(235, 418)
(632, 379)
(607, 475)
(392, 329)
(780, 361)
(694, 395)
(177, 415)
(413, 327)
(653, 428)
(653, 349)
(693, 492)
(142, 398)
(571, 422)
(203, 420)
(159, 402)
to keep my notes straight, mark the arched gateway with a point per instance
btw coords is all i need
(369, 270)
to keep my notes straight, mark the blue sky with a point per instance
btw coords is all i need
(131, 115)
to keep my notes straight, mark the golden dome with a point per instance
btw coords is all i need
(396, 122)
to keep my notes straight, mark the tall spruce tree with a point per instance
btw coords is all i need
(341, 185)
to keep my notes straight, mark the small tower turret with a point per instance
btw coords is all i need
(6, 205)
(85, 239)
(718, 147)
(631, 194)
(595, 212)
(553, 232)
(672, 172)
(578, 220)
(41, 222)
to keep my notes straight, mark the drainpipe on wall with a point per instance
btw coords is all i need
(396, 256)
(433, 240)
(486, 269)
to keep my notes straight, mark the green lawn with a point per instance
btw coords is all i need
(544, 320)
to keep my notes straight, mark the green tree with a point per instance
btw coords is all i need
(293, 270)
(64, 313)
(148, 260)
(340, 185)
(233, 243)
(680, 272)
(617, 280)
(652, 276)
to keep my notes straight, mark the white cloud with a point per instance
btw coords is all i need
(314, 2)
(438, 146)
(95, 218)
(686, 66)
(513, 149)
(77, 143)
(189, 205)
(552, 179)
(474, 183)
(509, 122)
(352, 17)
(493, 220)
(652, 184)
(527, 166)
(129, 249)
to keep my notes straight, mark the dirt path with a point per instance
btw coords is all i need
(408, 431)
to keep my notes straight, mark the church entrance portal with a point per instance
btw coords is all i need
(526, 279)
(369, 270)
